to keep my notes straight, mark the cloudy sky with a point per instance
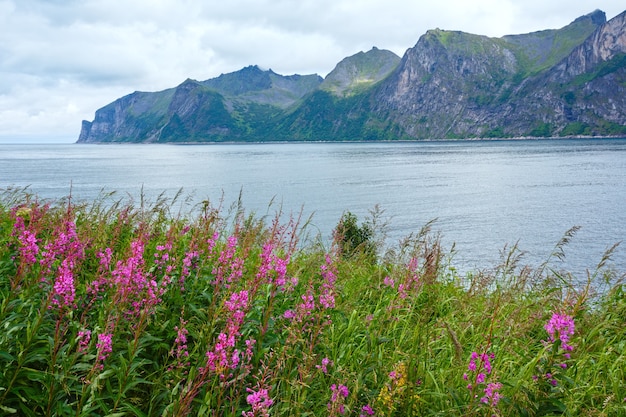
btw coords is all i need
(61, 60)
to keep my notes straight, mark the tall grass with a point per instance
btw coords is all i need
(111, 309)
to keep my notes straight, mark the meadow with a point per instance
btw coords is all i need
(114, 308)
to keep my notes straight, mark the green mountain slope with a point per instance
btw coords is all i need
(568, 81)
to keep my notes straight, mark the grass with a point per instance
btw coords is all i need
(111, 309)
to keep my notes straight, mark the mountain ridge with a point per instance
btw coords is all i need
(557, 82)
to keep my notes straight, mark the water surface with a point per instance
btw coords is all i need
(484, 194)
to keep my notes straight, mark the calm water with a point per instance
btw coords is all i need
(483, 194)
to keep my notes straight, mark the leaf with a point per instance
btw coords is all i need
(6, 356)
(8, 409)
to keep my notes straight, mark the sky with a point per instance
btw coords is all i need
(61, 60)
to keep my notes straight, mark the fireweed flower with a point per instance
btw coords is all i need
(179, 351)
(273, 269)
(66, 245)
(27, 240)
(366, 410)
(303, 310)
(492, 395)
(101, 283)
(329, 275)
(133, 287)
(260, 402)
(189, 263)
(324, 366)
(104, 346)
(338, 395)
(84, 337)
(561, 326)
(63, 290)
(224, 356)
(229, 267)
(389, 282)
(480, 365)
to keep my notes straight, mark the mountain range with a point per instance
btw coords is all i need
(552, 83)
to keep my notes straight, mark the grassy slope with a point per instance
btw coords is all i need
(398, 331)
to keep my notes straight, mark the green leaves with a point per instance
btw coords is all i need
(408, 315)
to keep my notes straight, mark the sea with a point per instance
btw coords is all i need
(482, 197)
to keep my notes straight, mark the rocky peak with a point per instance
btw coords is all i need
(359, 71)
(597, 17)
(606, 43)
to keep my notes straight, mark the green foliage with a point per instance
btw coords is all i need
(542, 130)
(205, 309)
(353, 239)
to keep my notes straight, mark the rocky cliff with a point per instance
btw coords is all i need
(561, 82)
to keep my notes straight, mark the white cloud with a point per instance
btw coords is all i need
(60, 60)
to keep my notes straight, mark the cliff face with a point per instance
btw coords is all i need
(560, 82)
(446, 83)
(568, 81)
(224, 108)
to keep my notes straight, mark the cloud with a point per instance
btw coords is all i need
(60, 60)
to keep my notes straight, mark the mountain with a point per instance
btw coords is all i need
(561, 82)
(230, 107)
(359, 72)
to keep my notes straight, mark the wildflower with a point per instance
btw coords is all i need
(229, 268)
(366, 410)
(338, 396)
(179, 351)
(65, 246)
(563, 326)
(189, 262)
(492, 395)
(63, 290)
(389, 282)
(485, 361)
(260, 402)
(339, 390)
(105, 258)
(481, 363)
(324, 366)
(394, 391)
(329, 274)
(273, 269)
(28, 241)
(236, 305)
(84, 337)
(250, 348)
(104, 346)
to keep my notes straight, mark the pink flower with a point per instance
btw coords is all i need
(260, 402)
(104, 346)
(338, 396)
(366, 410)
(63, 290)
(389, 282)
(492, 395)
(563, 326)
(339, 390)
(329, 274)
(273, 269)
(324, 366)
(28, 241)
(84, 337)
